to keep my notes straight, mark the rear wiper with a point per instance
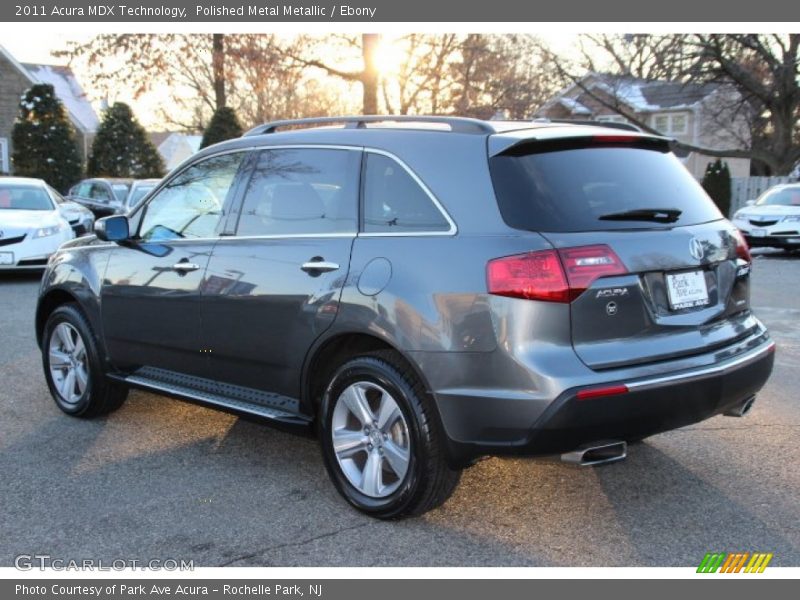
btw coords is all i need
(659, 215)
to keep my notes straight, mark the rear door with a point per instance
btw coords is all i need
(659, 272)
(273, 287)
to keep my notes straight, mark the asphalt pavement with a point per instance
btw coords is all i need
(165, 479)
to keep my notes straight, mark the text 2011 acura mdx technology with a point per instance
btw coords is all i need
(425, 291)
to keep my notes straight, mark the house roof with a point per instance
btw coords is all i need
(642, 95)
(68, 91)
(177, 147)
(158, 137)
(575, 107)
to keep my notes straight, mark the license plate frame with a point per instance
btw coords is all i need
(687, 289)
(758, 233)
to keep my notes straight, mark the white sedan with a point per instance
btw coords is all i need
(773, 219)
(32, 226)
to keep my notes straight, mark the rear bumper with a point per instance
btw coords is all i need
(650, 405)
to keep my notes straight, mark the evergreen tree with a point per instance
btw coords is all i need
(44, 141)
(717, 184)
(224, 125)
(121, 147)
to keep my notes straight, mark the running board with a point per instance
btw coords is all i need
(218, 395)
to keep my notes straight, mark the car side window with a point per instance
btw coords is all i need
(301, 191)
(83, 190)
(100, 192)
(394, 202)
(192, 204)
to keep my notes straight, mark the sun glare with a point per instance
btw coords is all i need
(389, 56)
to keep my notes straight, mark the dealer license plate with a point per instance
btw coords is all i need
(687, 290)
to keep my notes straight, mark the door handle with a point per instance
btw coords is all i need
(185, 267)
(319, 266)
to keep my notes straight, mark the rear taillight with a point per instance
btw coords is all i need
(586, 264)
(532, 276)
(742, 249)
(552, 275)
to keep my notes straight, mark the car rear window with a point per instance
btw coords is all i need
(591, 185)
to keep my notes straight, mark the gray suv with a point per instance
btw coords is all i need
(424, 291)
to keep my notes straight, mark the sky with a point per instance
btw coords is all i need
(19, 44)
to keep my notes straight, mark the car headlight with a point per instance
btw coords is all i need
(792, 219)
(48, 231)
(739, 215)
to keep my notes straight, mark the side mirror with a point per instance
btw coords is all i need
(750, 203)
(112, 229)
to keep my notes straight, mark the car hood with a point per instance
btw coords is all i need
(774, 209)
(74, 209)
(28, 219)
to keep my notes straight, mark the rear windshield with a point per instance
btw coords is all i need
(580, 185)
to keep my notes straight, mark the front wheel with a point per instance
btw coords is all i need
(73, 367)
(382, 445)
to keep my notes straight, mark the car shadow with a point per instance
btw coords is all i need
(774, 253)
(673, 516)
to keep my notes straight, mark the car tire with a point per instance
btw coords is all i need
(73, 367)
(377, 452)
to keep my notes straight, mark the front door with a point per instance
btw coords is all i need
(272, 289)
(151, 293)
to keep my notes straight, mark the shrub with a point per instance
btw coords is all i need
(224, 125)
(717, 184)
(122, 148)
(44, 141)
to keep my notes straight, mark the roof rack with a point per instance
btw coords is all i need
(457, 124)
(591, 123)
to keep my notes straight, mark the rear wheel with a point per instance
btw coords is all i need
(382, 446)
(73, 367)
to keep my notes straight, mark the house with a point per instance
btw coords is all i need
(16, 78)
(703, 115)
(174, 147)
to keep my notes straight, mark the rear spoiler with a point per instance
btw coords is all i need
(571, 135)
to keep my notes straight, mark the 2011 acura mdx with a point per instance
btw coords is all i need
(425, 291)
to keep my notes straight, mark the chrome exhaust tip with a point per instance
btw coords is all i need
(742, 409)
(599, 453)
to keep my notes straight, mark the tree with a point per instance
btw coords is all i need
(758, 76)
(717, 184)
(224, 125)
(44, 141)
(121, 147)
(255, 74)
(368, 76)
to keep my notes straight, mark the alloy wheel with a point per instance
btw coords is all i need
(370, 439)
(68, 363)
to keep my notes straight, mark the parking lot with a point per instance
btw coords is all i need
(165, 479)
